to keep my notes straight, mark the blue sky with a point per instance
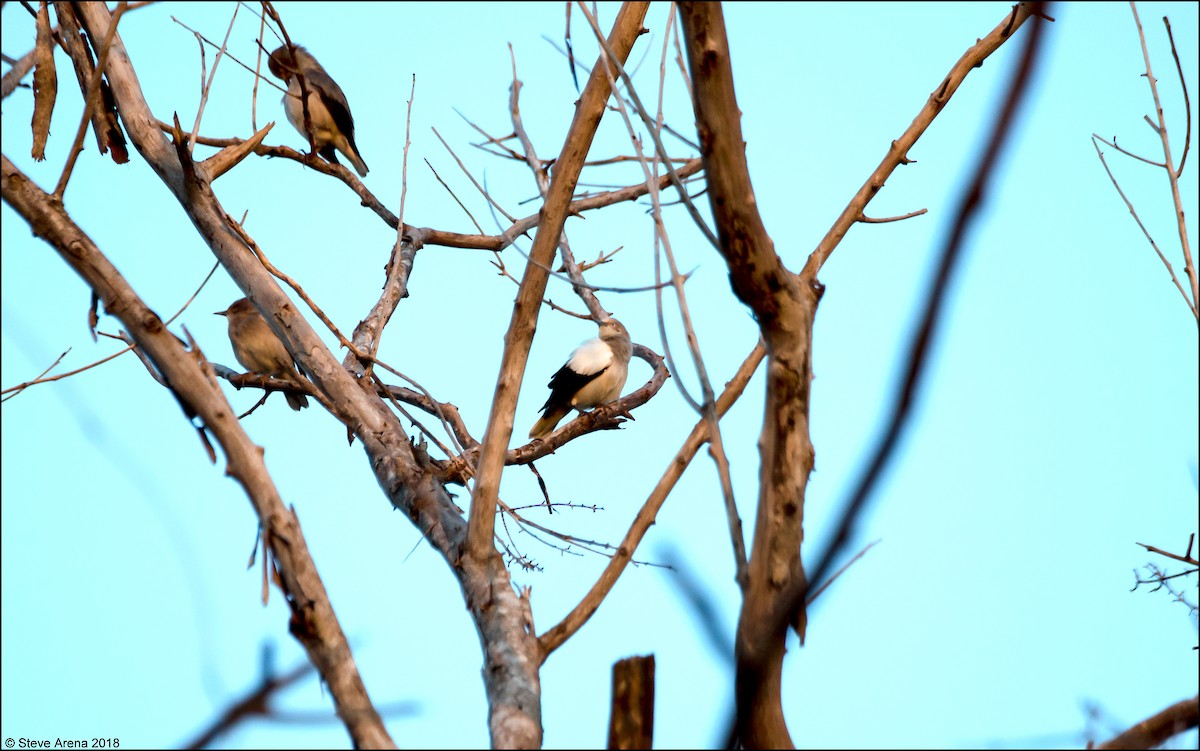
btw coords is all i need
(1057, 425)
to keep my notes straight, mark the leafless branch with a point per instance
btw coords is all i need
(897, 153)
(914, 367)
(1142, 227)
(1187, 102)
(663, 243)
(533, 286)
(871, 220)
(90, 101)
(1189, 266)
(1159, 728)
(581, 613)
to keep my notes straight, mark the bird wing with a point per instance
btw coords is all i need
(587, 363)
(331, 96)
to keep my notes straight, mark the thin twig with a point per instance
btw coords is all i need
(1187, 102)
(230, 55)
(716, 445)
(658, 144)
(43, 378)
(871, 220)
(972, 59)
(812, 596)
(461, 205)
(471, 177)
(207, 87)
(1141, 226)
(90, 101)
(1113, 144)
(580, 614)
(1189, 266)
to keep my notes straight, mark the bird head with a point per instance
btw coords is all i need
(611, 328)
(238, 308)
(283, 63)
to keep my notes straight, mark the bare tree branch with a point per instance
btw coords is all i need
(626, 29)
(579, 615)
(1189, 266)
(1159, 728)
(897, 153)
(914, 368)
(190, 379)
(1141, 226)
(784, 305)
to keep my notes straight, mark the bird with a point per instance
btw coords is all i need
(593, 375)
(258, 349)
(328, 110)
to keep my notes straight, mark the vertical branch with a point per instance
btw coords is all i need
(1189, 266)
(517, 340)
(784, 307)
(631, 724)
(1187, 101)
(45, 83)
(541, 177)
(107, 128)
(190, 379)
(512, 659)
(212, 74)
(90, 99)
(716, 447)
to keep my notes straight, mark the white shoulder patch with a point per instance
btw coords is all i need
(590, 357)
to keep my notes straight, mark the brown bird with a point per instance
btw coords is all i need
(328, 110)
(594, 374)
(258, 349)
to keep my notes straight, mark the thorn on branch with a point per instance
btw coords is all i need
(903, 158)
(185, 159)
(870, 220)
(1012, 18)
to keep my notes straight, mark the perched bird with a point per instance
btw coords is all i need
(258, 349)
(594, 374)
(328, 110)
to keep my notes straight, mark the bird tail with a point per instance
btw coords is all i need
(349, 150)
(296, 401)
(330, 150)
(359, 165)
(549, 421)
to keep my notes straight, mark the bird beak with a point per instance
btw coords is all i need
(220, 312)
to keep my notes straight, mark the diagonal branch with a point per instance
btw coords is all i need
(784, 306)
(1189, 266)
(589, 110)
(1142, 227)
(914, 367)
(1156, 730)
(1187, 100)
(663, 244)
(898, 152)
(190, 379)
(579, 615)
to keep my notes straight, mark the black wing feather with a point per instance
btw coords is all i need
(565, 384)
